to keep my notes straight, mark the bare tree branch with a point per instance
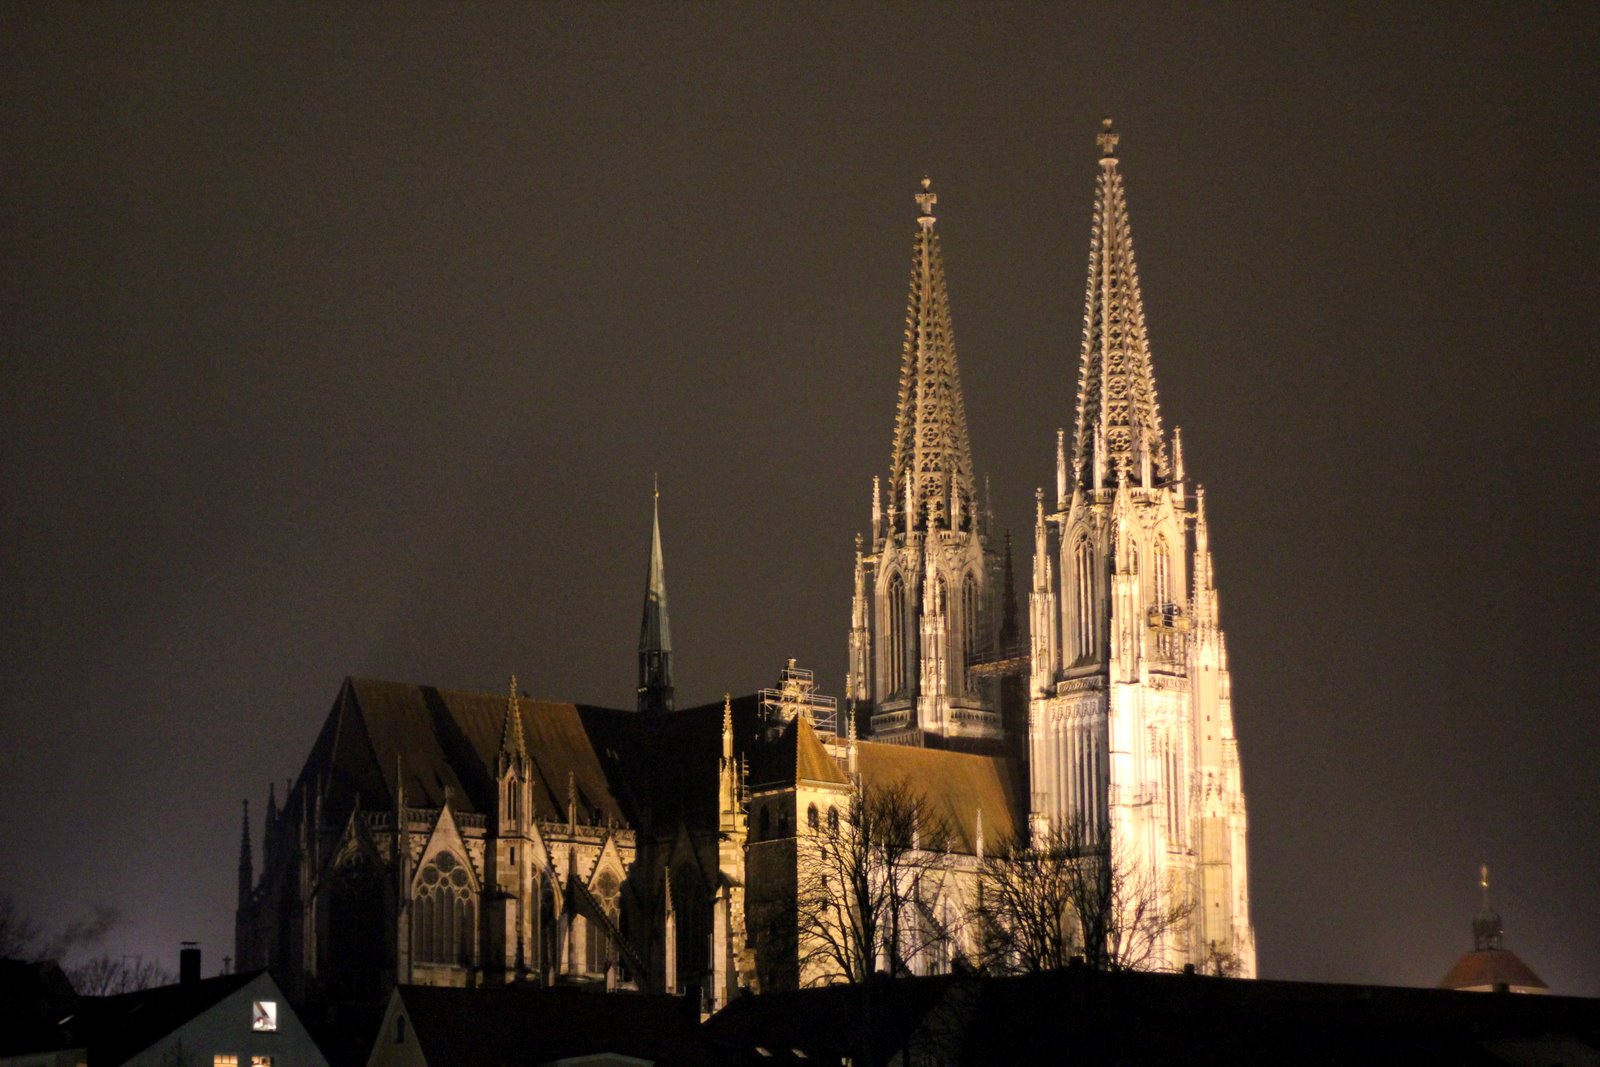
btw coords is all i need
(867, 886)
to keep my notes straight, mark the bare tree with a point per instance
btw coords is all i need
(106, 974)
(21, 937)
(1025, 911)
(19, 934)
(865, 885)
(1073, 891)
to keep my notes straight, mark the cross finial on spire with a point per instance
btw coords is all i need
(925, 200)
(1107, 140)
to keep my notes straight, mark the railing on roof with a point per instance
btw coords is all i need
(1011, 657)
(796, 695)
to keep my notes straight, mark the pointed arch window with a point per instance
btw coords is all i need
(444, 913)
(1083, 598)
(1162, 570)
(811, 817)
(897, 636)
(969, 613)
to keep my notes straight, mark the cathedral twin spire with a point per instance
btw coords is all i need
(930, 471)
(1118, 435)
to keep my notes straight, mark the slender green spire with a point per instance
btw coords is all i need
(655, 632)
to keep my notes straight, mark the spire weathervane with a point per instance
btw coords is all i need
(1107, 140)
(925, 200)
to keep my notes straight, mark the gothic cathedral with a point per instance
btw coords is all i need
(455, 838)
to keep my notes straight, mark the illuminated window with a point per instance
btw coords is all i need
(260, 1061)
(264, 1016)
(222, 1059)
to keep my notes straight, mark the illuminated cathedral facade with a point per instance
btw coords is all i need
(456, 838)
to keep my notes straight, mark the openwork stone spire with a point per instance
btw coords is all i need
(1119, 421)
(512, 745)
(931, 467)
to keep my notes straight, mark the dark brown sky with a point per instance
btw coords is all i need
(346, 340)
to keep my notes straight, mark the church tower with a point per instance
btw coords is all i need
(1130, 735)
(655, 635)
(922, 611)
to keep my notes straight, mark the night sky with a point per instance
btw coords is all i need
(343, 339)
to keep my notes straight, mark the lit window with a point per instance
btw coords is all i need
(264, 1016)
(260, 1061)
(223, 1060)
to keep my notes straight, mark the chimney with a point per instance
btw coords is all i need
(189, 963)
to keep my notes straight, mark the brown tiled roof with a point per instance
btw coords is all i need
(955, 785)
(1490, 968)
(638, 772)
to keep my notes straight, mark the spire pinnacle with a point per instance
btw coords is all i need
(511, 740)
(1107, 140)
(1118, 434)
(655, 632)
(925, 200)
(1487, 930)
(931, 463)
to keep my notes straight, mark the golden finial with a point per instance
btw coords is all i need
(925, 200)
(1107, 140)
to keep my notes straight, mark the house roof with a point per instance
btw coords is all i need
(512, 1026)
(1137, 1018)
(1490, 968)
(955, 787)
(116, 1028)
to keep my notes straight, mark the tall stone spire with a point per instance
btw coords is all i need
(931, 466)
(924, 615)
(655, 635)
(1119, 422)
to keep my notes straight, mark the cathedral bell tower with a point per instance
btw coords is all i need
(1130, 722)
(922, 611)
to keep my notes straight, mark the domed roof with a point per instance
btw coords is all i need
(1490, 966)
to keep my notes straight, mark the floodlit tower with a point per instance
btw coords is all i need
(922, 611)
(1130, 734)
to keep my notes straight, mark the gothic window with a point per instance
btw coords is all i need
(811, 817)
(969, 613)
(1163, 572)
(833, 820)
(897, 636)
(1083, 605)
(443, 913)
(597, 941)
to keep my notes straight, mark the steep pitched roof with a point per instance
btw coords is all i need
(635, 771)
(120, 1027)
(794, 756)
(955, 787)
